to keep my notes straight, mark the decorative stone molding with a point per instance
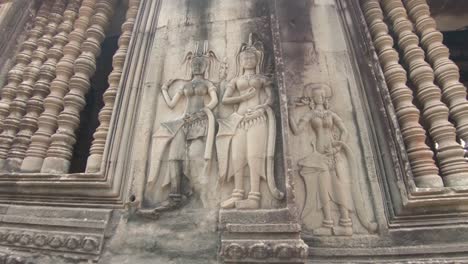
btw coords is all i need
(76, 232)
(61, 147)
(446, 71)
(269, 251)
(67, 242)
(22, 60)
(408, 204)
(53, 103)
(35, 104)
(25, 90)
(420, 155)
(245, 240)
(450, 154)
(100, 136)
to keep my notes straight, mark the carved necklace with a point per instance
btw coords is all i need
(321, 113)
(249, 76)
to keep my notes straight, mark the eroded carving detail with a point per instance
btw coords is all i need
(40, 240)
(330, 166)
(245, 251)
(247, 137)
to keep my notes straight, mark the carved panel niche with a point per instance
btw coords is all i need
(215, 109)
(334, 174)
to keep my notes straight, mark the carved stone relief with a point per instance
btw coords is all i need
(247, 137)
(329, 139)
(188, 158)
(329, 167)
(185, 144)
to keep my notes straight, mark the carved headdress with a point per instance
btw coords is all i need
(311, 89)
(254, 46)
(201, 52)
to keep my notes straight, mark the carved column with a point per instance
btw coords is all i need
(35, 105)
(61, 148)
(15, 75)
(31, 74)
(53, 103)
(100, 136)
(446, 71)
(420, 155)
(450, 155)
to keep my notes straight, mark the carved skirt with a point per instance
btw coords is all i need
(326, 172)
(190, 130)
(242, 141)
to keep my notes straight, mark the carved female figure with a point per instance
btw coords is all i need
(327, 166)
(181, 141)
(246, 139)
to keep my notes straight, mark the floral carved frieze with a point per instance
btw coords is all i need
(68, 242)
(278, 250)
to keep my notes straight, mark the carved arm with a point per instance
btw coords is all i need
(341, 126)
(213, 95)
(296, 128)
(229, 99)
(171, 102)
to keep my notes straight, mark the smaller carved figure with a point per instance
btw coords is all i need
(190, 137)
(246, 139)
(330, 164)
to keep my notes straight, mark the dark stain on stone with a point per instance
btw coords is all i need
(200, 12)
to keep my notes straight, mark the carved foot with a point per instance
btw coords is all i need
(323, 231)
(230, 203)
(252, 202)
(343, 230)
(148, 213)
(174, 202)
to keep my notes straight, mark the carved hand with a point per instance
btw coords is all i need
(250, 93)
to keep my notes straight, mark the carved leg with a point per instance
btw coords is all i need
(238, 163)
(345, 227)
(256, 158)
(237, 195)
(253, 200)
(324, 189)
(175, 196)
(327, 223)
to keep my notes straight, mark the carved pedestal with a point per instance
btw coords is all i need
(261, 236)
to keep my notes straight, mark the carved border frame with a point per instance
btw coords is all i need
(104, 189)
(406, 205)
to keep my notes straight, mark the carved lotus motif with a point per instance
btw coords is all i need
(284, 251)
(260, 251)
(40, 240)
(73, 242)
(3, 235)
(11, 238)
(14, 260)
(56, 241)
(90, 244)
(234, 251)
(25, 239)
